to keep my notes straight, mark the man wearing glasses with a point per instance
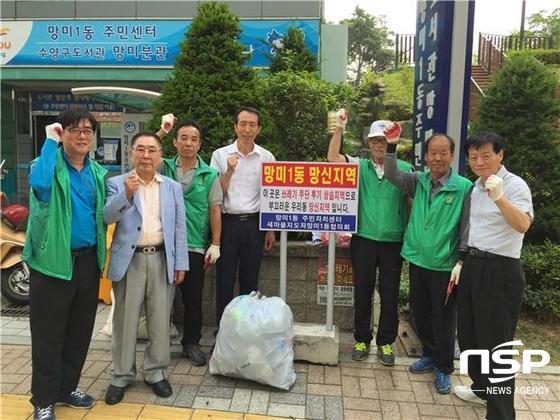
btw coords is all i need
(148, 257)
(65, 251)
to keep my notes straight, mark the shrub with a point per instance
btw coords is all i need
(542, 272)
(544, 56)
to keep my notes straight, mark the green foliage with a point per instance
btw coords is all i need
(291, 53)
(297, 106)
(368, 42)
(210, 81)
(541, 24)
(544, 56)
(404, 287)
(521, 106)
(542, 272)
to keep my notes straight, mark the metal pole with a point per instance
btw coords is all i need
(283, 263)
(330, 282)
(522, 28)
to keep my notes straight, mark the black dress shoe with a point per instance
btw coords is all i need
(162, 388)
(114, 394)
(193, 352)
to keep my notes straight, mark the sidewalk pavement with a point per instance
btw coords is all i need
(351, 390)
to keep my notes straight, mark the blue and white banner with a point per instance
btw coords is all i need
(129, 43)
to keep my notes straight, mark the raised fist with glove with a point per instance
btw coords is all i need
(54, 131)
(167, 123)
(392, 132)
(341, 118)
(494, 187)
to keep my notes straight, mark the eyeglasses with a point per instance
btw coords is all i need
(88, 132)
(142, 151)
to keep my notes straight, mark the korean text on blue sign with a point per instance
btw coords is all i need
(431, 82)
(129, 42)
(308, 196)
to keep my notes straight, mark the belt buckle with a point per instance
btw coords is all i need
(149, 250)
(243, 217)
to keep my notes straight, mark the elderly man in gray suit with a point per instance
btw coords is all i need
(148, 256)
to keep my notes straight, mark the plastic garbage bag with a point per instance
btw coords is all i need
(255, 341)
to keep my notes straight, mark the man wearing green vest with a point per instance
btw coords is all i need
(438, 221)
(203, 200)
(65, 250)
(377, 243)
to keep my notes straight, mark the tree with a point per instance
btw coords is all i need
(368, 39)
(542, 25)
(520, 105)
(290, 53)
(299, 103)
(210, 81)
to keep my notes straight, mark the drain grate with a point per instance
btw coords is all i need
(9, 309)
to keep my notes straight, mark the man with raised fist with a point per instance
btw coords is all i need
(203, 197)
(65, 250)
(491, 280)
(242, 242)
(435, 235)
(377, 243)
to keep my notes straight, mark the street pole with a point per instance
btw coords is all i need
(522, 28)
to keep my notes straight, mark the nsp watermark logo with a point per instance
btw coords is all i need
(502, 356)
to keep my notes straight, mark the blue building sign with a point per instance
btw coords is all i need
(128, 42)
(442, 75)
(61, 101)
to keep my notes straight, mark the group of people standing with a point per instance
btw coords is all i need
(177, 216)
(452, 233)
(173, 219)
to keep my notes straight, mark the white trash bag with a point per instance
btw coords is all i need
(255, 341)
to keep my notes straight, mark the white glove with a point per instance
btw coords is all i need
(393, 132)
(341, 118)
(167, 122)
(495, 187)
(455, 273)
(54, 131)
(212, 254)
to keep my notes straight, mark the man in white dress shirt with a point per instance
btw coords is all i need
(491, 280)
(242, 243)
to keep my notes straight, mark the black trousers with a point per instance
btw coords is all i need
(435, 322)
(191, 291)
(242, 248)
(367, 256)
(490, 293)
(61, 315)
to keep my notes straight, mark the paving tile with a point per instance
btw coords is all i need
(300, 386)
(409, 410)
(182, 368)
(392, 395)
(24, 387)
(300, 367)
(227, 382)
(315, 407)
(318, 389)
(433, 410)
(212, 403)
(422, 393)
(384, 379)
(6, 388)
(287, 398)
(16, 365)
(549, 406)
(13, 378)
(350, 386)
(122, 411)
(96, 368)
(286, 410)
(361, 415)
(252, 385)
(259, 402)
(332, 375)
(315, 374)
(139, 397)
(333, 408)
(201, 414)
(210, 380)
(241, 400)
(185, 396)
(526, 415)
(466, 413)
(354, 364)
(185, 379)
(366, 404)
(426, 377)
(400, 380)
(199, 370)
(390, 409)
(215, 391)
(348, 371)
(441, 398)
(151, 412)
(368, 388)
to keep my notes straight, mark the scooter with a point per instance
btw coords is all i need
(15, 272)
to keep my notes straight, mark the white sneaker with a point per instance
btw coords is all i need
(466, 394)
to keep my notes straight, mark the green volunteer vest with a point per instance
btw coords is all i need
(197, 206)
(432, 235)
(382, 206)
(47, 245)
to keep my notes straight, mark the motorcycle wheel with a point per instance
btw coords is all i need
(15, 284)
